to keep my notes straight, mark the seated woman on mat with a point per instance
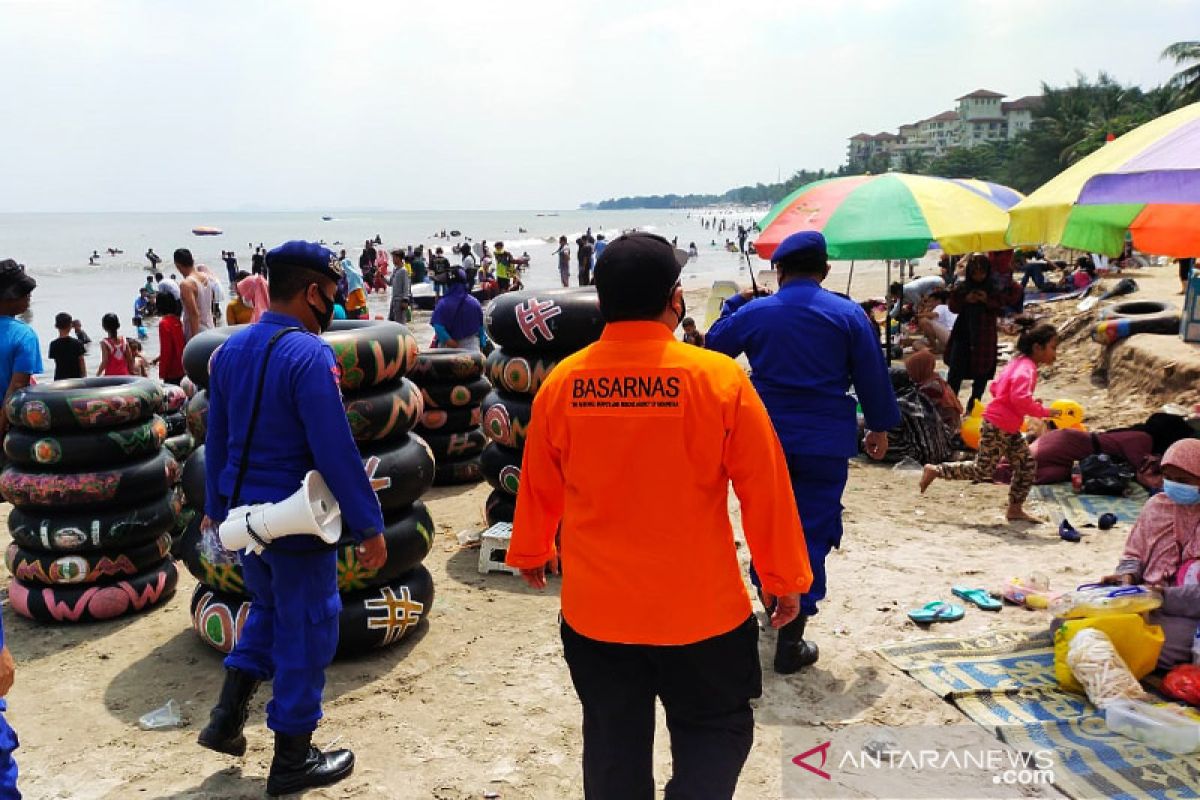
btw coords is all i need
(1163, 552)
(922, 369)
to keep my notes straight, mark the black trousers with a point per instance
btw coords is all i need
(705, 688)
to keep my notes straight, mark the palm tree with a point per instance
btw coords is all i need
(1186, 82)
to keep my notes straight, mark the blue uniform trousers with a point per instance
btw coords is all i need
(817, 483)
(8, 764)
(291, 633)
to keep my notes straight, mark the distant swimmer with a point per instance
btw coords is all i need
(93, 258)
(153, 258)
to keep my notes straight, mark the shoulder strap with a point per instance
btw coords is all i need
(262, 377)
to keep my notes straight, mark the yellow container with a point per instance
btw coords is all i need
(1136, 642)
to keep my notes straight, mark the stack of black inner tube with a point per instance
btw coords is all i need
(174, 413)
(94, 499)
(452, 387)
(379, 607)
(534, 330)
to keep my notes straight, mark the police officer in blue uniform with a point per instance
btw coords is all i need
(275, 412)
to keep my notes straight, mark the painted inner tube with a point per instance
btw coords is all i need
(407, 466)
(500, 506)
(506, 418)
(384, 615)
(452, 420)
(71, 531)
(370, 618)
(447, 365)
(544, 322)
(176, 422)
(123, 485)
(37, 566)
(97, 601)
(385, 412)
(452, 473)
(180, 447)
(501, 467)
(191, 478)
(199, 350)
(86, 449)
(456, 446)
(517, 373)
(409, 536)
(455, 395)
(1139, 309)
(174, 399)
(84, 404)
(371, 352)
(197, 415)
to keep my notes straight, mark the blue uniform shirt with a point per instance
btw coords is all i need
(301, 426)
(19, 351)
(806, 346)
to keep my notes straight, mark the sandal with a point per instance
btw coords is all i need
(937, 611)
(978, 597)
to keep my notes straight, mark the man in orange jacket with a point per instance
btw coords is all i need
(630, 450)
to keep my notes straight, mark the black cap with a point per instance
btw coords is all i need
(14, 281)
(307, 255)
(635, 275)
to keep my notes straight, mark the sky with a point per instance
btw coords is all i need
(166, 105)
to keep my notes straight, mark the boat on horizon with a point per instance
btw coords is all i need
(206, 230)
(326, 219)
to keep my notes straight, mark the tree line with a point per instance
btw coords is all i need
(1072, 121)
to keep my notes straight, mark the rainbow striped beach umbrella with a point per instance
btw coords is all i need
(1146, 182)
(895, 215)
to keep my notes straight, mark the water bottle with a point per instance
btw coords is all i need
(1196, 646)
(1076, 478)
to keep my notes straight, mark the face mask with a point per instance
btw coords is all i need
(1182, 493)
(323, 316)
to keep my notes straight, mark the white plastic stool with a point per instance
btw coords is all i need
(493, 547)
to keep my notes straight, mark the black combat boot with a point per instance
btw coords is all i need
(298, 765)
(792, 653)
(224, 730)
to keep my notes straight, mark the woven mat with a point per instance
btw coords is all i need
(1081, 510)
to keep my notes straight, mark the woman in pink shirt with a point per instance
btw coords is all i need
(1012, 402)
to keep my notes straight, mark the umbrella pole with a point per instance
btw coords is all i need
(850, 280)
(887, 325)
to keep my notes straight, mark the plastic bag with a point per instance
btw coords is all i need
(1102, 474)
(1096, 600)
(1137, 643)
(1183, 683)
(213, 551)
(1098, 667)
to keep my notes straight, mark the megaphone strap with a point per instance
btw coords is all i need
(250, 531)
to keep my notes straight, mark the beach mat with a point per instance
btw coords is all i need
(1004, 681)
(1061, 502)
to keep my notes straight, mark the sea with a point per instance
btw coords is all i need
(55, 249)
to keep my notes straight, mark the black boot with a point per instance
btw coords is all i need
(224, 730)
(298, 765)
(792, 653)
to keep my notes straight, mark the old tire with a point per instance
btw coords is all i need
(95, 602)
(41, 567)
(408, 465)
(385, 412)
(522, 374)
(506, 418)
(74, 451)
(176, 422)
(180, 447)
(191, 478)
(174, 399)
(370, 352)
(199, 351)
(501, 467)
(119, 487)
(449, 420)
(458, 471)
(455, 395)
(447, 365)
(384, 615)
(1139, 309)
(72, 531)
(500, 506)
(552, 322)
(83, 404)
(218, 617)
(456, 446)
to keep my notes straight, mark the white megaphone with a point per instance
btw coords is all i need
(311, 510)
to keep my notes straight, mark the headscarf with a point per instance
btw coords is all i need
(458, 312)
(1167, 534)
(253, 291)
(922, 368)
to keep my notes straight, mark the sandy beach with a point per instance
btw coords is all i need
(479, 704)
